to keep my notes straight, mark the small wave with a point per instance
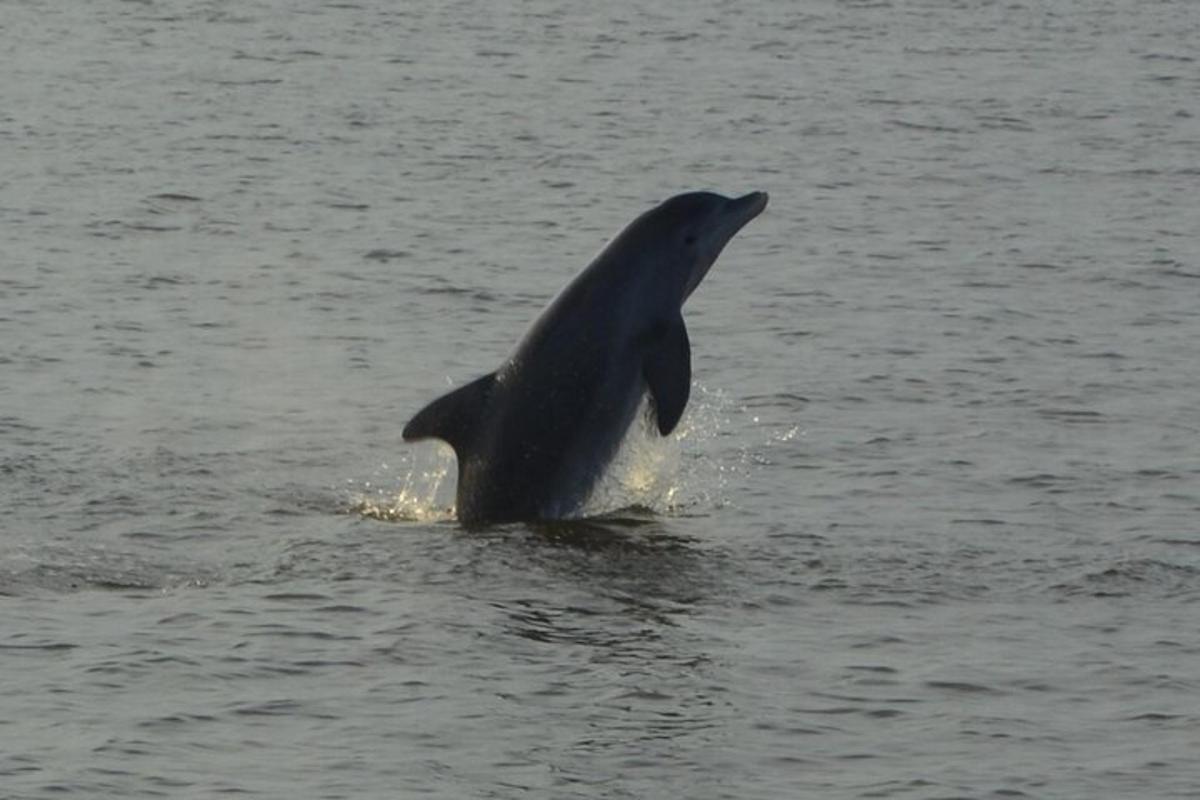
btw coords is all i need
(960, 687)
(1135, 577)
(61, 570)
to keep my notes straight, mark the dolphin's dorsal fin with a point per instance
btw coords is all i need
(454, 417)
(668, 371)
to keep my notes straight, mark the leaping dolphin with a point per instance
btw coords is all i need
(533, 437)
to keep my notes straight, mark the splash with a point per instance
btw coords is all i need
(673, 475)
(666, 474)
(641, 475)
(422, 492)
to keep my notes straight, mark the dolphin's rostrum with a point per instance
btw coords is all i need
(533, 437)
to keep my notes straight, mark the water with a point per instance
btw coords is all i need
(930, 530)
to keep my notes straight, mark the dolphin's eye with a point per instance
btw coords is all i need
(690, 239)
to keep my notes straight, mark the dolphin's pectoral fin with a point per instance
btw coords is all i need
(668, 371)
(453, 417)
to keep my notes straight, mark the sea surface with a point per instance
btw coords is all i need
(930, 528)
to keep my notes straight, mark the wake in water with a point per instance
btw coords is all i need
(671, 476)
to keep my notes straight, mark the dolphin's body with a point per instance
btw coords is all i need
(533, 437)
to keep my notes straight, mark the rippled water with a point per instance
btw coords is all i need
(929, 531)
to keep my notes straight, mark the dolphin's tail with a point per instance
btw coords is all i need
(454, 417)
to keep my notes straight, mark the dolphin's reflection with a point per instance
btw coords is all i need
(631, 528)
(617, 582)
(616, 607)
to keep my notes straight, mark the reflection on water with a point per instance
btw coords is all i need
(633, 527)
(612, 609)
(621, 580)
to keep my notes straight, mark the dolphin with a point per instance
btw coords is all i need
(533, 437)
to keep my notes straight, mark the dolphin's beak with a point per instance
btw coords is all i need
(748, 207)
(733, 217)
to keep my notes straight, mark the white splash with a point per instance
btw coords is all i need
(422, 492)
(665, 474)
(670, 475)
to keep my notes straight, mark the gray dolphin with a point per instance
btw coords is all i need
(533, 437)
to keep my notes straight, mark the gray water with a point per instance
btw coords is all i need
(930, 528)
